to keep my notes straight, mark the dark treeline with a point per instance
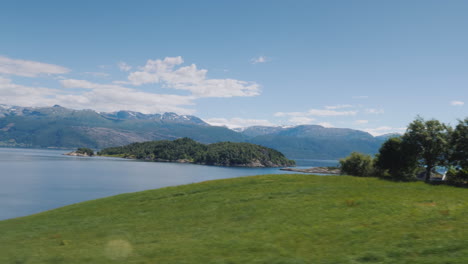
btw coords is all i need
(188, 150)
(426, 145)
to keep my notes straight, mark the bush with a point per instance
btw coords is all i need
(357, 164)
(396, 160)
(458, 177)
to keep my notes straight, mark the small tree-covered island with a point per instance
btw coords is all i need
(83, 152)
(187, 150)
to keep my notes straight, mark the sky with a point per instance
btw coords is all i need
(368, 65)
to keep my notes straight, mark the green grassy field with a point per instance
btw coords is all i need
(261, 219)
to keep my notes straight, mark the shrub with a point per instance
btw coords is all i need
(458, 177)
(396, 160)
(357, 164)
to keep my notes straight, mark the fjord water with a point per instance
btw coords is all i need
(33, 180)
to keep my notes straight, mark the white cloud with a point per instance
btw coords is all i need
(301, 120)
(320, 112)
(334, 107)
(237, 122)
(384, 130)
(111, 97)
(191, 79)
(116, 95)
(100, 97)
(97, 74)
(457, 103)
(326, 124)
(283, 114)
(260, 59)
(73, 83)
(28, 68)
(374, 111)
(124, 66)
(316, 112)
(128, 99)
(14, 94)
(360, 122)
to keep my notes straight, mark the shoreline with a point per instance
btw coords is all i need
(255, 164)
(321, 170)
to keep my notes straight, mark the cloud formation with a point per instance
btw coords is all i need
(301, 120)
(15, 94)
(325, 124)
(124, 66)
(97, 74)
(360, 122)
(374, 111)
(457, 103)
(317, 112)
(100, 97)
(73, 83)
(360, 97)
(111, 97)
(260, 59)
(334, 107)
(116, 95)
(27, 68)
(238, 122)
(382, 130)
(170, 74)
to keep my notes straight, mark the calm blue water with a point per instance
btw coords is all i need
(34, 180)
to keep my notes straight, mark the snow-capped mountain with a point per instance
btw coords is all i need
(56, 110)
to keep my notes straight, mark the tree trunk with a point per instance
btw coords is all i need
(428, 173)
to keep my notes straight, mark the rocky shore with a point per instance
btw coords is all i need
(320, 170)
(252, 164)
(78, 154)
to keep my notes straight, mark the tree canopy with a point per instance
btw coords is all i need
(428, 140)
(425, 145)
(397, 158)
(188, 150)
(458, 173)
(459, 143)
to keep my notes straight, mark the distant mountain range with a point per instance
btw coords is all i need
(59, 127)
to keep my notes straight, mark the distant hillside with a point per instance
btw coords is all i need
(255, 131)
(65, 128)
(188, 150)
(387, 136)
(315, 142)
(60, 127)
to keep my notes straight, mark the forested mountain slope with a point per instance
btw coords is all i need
(59, 127)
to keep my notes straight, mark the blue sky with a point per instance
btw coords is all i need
(368, 65)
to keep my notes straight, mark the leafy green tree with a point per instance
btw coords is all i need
(459, 143)
(396, 158)
(458, 174)
(357, 164)
(430, 141)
